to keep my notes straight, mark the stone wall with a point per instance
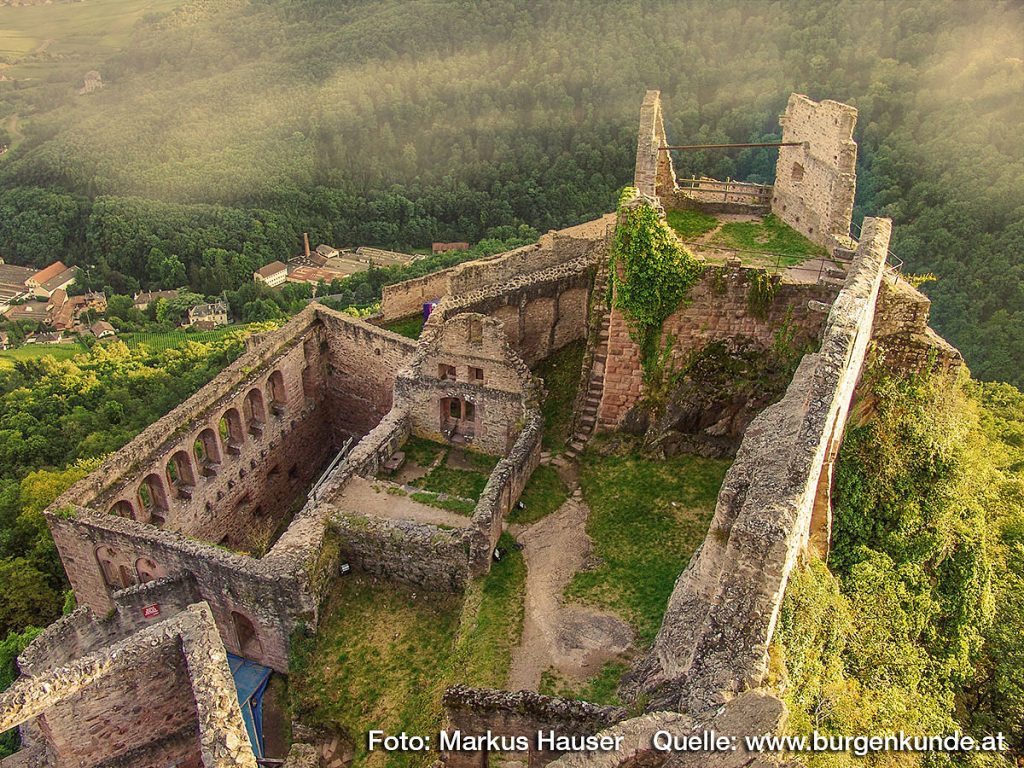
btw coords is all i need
(162, 696)
(362, 363)
(408, 297)
(901, 334)
(269, 594)
(718, 307)
(713, 642)
(82, 631)
(502, 492)
(481, 711)
(815, 183)
(467, 384)
(539, 293)
(421, 554)
(653, 173)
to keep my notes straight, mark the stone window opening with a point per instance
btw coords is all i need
(180, 474)
(147, 570)
(231, 431)
(255, 413)
(123, 508)
(249, 644)
(458, 420)
(207, 452)
(445, 372)
(153, 498)
(476, 330)
(277, 393)
(308, 383)
(476, 374)
(797, 174)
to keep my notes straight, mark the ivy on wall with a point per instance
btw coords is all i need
(651, 273)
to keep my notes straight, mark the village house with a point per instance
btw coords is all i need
(101, 329)
(45, 338)
(443, 247)
(55, 277)
(273, 274)
(142, 300)
(206, 317)
(31, 311)
(5, 340)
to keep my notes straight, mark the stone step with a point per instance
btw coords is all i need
(577, 445)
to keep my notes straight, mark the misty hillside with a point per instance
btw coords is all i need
(236, 126)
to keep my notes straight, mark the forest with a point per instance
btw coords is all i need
(225, 129)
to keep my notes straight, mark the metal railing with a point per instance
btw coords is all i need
(893, 263)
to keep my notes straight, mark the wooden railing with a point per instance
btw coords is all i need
(728, 191)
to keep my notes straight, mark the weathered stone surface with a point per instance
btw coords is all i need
(714, 638)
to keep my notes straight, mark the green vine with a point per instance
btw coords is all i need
(652, 274)
(763, 288)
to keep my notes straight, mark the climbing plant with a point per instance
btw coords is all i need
(651, 272)
(762, 293)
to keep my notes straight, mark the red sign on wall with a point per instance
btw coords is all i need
(150, 611)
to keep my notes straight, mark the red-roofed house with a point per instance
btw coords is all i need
(273, 274)
(55, 277)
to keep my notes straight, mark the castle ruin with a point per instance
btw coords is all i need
(221, 527)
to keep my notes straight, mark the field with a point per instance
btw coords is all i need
(34, 351)
(157, 342)
(86, 32)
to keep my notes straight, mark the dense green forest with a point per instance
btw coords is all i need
(226, 128)
(915, 624)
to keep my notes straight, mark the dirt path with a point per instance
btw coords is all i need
(360, 496)
(574, 640)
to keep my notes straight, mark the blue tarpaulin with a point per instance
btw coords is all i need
(250, 682)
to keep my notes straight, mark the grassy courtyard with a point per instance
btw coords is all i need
(410, 327)
(769, 236)
(384, 653)
(647, 518)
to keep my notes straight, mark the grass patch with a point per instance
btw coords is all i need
(647, 517)
(384, 653)
(459, 506)
(691, 224)
(410, 327)
(380, 659)
(36, 351)
(479, 461)
(422, 452)
(454, 482)
(543, 494)
(602, 688)
(770, 235)
(492, 621)
(561, 375)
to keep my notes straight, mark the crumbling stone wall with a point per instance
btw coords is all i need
(718, 307)
(713, 642)
(425, 555)
(539, 293)
(408, 297)
(82, 631)
(653, 173)
(162, 696)
(815, 183)
(270, 594)
(901, 334)
(362, 363)
(466, 365)
(478, 711)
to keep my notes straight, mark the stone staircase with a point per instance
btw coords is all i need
(587, 421)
